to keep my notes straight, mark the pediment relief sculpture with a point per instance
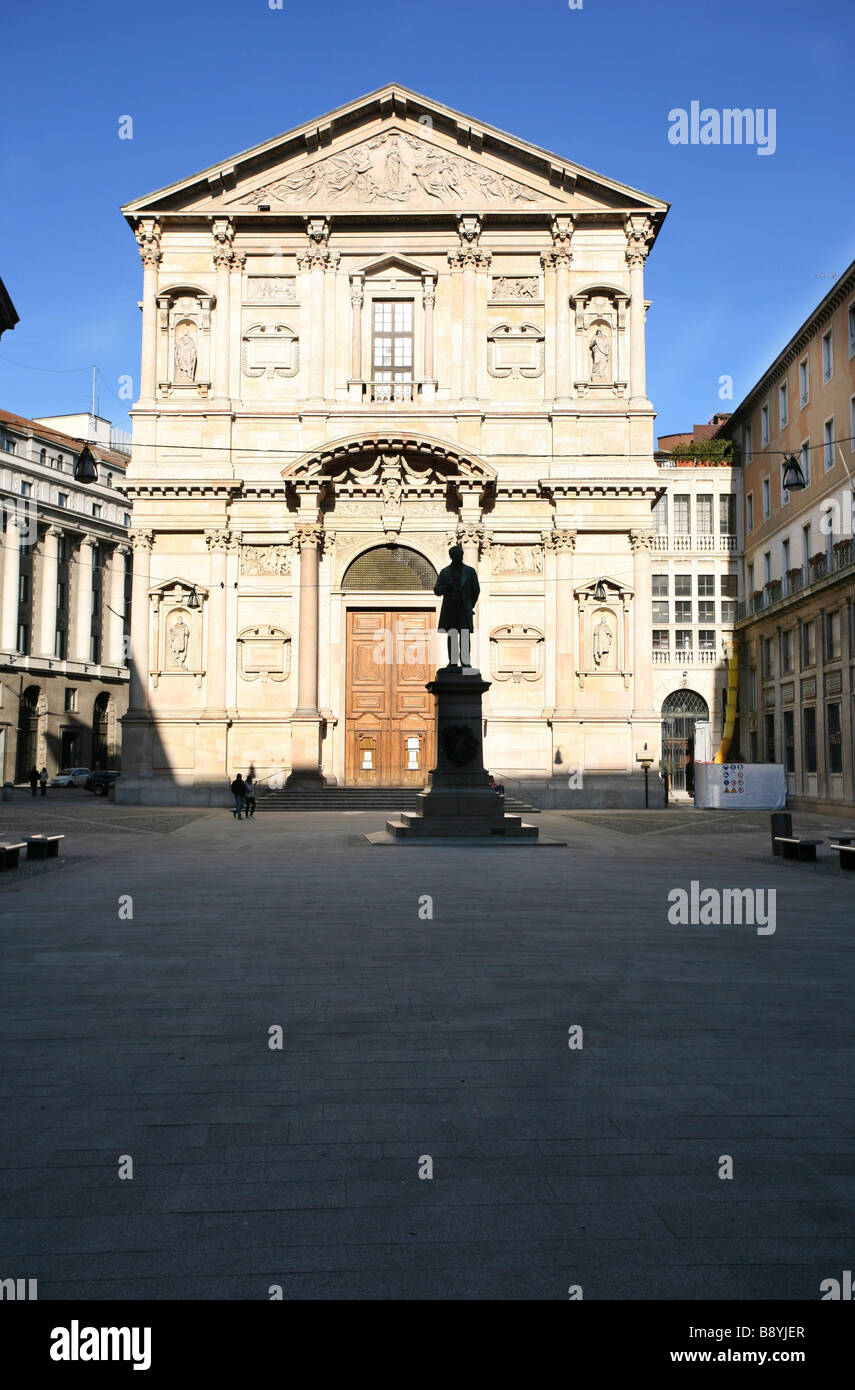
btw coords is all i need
(392, 169)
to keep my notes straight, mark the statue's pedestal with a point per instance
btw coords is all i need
(459, 801)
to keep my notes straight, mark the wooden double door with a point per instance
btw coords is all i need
(390, 719)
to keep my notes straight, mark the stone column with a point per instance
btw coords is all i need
(469, 258)
(215, 671)
(223, 233)
(562, 232)
(148, 239)
(549, 302)
(306, 720)
(47, 591)
(428, 302)
(115, 613)
(642, 657)
(563, 544)
(82, 647)
(142, 542)
(236, 267)
(11, 583)
(638, 238)
(356, 300)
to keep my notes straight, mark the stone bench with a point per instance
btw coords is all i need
(43, 846)
(794, 848)
(10, 856)
(846, 850)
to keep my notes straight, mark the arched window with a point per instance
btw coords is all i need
(390, 568)
(42, 456)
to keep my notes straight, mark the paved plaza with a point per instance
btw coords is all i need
(408, 1036)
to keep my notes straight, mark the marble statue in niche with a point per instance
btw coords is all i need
(603, 641)
(179, 641)
(185, 353)
(600, 349)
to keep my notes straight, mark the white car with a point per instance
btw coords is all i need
(70, 777)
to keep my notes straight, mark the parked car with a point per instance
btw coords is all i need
(70, 777)
(99, 783)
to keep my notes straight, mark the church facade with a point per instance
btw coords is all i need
(388, 331)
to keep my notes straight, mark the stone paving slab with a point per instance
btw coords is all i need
(406, 1036)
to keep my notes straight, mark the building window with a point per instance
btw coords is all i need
(804, 383)
(789, 741)
(706, 585)
(727, 514)
(751, 579)
(23, 638)
(23, 588)
(827, 357)
(683, 585)
(767, 500)
(109, 480)
(767, 566)
(804, 459)
(766, 657)
(764, 425)
(808, 645)
(126, 519)
(60, 644)
(62, 550)
(9, 445)
(851, 316)
(70, 699)
(62, 499)
(660, 516)
(769, 722)
(683, 640)
(704, 513)
(42, 456)
(60, 596)
(752, 688)
(26, 488)
(807, 542)
(96, 509)
(660, 585)
(787, 650)
(683, 611)
(833, 735)
(728, 611)
(95, 648)
(832, 636)
(682, 515)
(728, 585)
(783, 405)
(660, 639)
(809, 738)
(706, 638)
(393, 347)
(749, 447)
(60, 462)
(785, 556)
(828, 444)
(661, 611)
(706, 611)
(749, 512)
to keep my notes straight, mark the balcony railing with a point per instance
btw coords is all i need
(818, 567)
(685, 656)
(391, 392)
(679, 544)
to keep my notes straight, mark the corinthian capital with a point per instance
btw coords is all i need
(640, 540)
(142, 540)
(562, 236)
(217, 540)
(308, 535)
(148, 240)
(557, 541)
(639, 234)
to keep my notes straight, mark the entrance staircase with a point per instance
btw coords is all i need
(356, 799)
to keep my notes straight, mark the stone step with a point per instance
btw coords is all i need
(358, 799)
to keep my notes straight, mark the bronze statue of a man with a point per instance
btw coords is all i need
(458, 585)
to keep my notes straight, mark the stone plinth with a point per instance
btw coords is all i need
(459, 800)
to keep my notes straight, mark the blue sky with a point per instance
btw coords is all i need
(748, 249)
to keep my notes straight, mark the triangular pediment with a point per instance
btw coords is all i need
(388, 153)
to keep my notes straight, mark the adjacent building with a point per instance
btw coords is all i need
(64, 602)
(796, 623)
(389, 330)
(697, 558)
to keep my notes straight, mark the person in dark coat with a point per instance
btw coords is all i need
(34, 779)
(458, 585)
(43, 781)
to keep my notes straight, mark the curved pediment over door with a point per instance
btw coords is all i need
(393, 469)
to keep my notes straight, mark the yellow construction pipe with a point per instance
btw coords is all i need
(730, 712)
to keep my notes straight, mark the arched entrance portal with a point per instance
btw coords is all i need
(680, 710)
(389, 714)
(29, 753)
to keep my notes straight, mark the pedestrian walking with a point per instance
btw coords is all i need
(249, 793)
(43, 781)
(238, 790)
(34, 779)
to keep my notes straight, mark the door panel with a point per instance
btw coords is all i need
(389, 713)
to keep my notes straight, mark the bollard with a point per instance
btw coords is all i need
(782, 824)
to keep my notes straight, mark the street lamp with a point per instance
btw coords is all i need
(600, 594)
(793, 479)
(85, 469)
(193, 601)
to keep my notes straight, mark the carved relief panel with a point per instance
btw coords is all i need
(265, 559)
(516, 653)
(516, 559)
(264, 653)
(271, 289)
(515, 350)
(270, 350)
